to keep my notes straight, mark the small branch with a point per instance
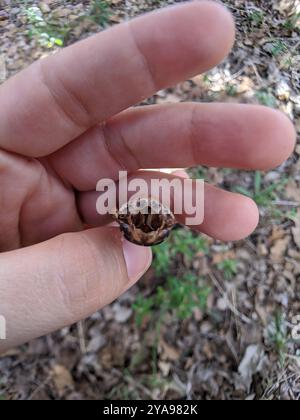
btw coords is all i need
(81, 335)
(233, 309)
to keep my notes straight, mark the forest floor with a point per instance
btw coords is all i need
(210, 320)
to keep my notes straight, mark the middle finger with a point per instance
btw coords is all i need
(181, 135)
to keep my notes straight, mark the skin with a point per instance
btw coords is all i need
(68, 120)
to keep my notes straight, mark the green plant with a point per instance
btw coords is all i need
(287, 62)
(142, 307)
(155, 2)
(47, 34)
(182, 242)
(278, 47)
(99, 12)
(292, 214)
(183, 295)
(263, 196)
(228, 267)
(293, 23)
(277, 334)
(198, 172)
(256, 17)
(231, 89)
(178, 296)
(266, 98)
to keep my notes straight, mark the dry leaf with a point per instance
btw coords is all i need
(122, 314)
(44, 6)
(168, 99)
(165, 368)
(170, 353)
(252, 363)
(96, 343)
(292, 191)
(220, 257)
(62, 378)
(277, 233)
(279, 248)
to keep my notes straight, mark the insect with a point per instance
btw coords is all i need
(145, 222)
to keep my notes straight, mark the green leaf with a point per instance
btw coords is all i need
(59, 42)
(257, 182)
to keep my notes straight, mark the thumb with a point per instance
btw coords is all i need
(56, 283)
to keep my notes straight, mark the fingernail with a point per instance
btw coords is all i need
(138, 260)
(181, 174)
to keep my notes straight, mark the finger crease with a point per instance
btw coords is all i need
(108, 147)
(191, 135)
(128, 151)
(146, 64)
(84, 121)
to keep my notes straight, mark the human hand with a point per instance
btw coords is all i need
(62, 129)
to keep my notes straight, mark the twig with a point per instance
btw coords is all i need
(286, 203)
(138, 385)
(40, 386)
(81, 335)
(233, 309)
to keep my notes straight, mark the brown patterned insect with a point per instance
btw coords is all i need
(145, 222)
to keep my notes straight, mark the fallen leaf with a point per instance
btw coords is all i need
(96, 343)
(165, 368)
(62, 379)
(112, 355)
(222, 304)
(169, 99)
(292, 191)
(277, 233)
(44, 6)
(222, 256)
(253, 362)
(122, 313)
(279, 248)
(169, 352)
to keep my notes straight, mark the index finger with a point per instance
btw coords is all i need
(56, 99)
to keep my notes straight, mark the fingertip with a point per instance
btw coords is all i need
(246, 217)
(138, 260)
(277, 137)
(284, 136)
(181, 173)
(186, 40)
(240, 218)
(221, 29)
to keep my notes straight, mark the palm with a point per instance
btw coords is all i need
(40, 206)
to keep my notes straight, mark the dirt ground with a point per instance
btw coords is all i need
(235, 335)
